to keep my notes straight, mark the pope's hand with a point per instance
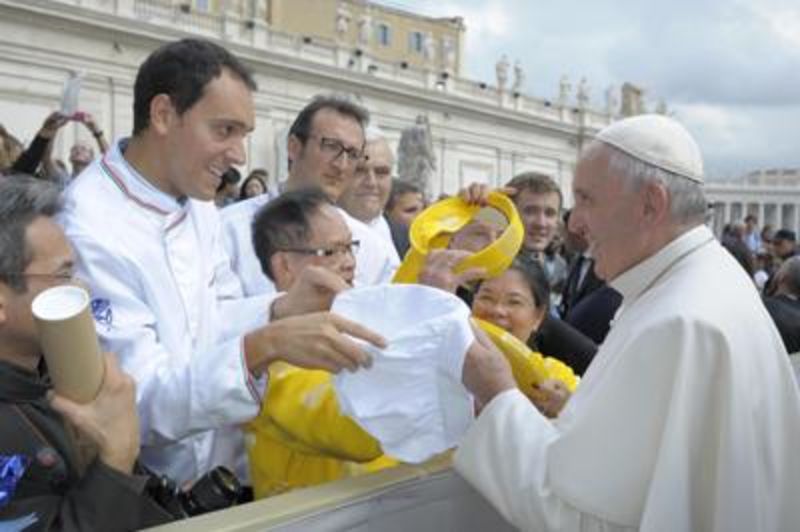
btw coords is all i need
(549, 396)
(486, 371)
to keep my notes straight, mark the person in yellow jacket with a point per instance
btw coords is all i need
(300, 438)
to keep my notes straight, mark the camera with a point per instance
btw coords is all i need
(217, 489)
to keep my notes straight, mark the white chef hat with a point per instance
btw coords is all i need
(411, 400)
(657, 140)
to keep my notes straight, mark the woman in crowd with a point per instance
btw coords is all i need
(254, 185)
(518, 302)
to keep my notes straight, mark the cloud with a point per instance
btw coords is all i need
(729, 70)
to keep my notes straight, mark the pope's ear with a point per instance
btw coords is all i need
(656, 202)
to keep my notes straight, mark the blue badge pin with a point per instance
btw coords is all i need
(12, 468)
(101, 310)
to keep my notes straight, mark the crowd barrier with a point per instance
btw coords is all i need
(426, 498)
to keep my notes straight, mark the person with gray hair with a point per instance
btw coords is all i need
(783, 304)
(688, 417)
(54, 489)
(368, 193)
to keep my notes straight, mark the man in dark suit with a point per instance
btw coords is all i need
(783, 305)
(588, 304)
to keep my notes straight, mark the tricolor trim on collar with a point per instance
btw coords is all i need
(105, 164)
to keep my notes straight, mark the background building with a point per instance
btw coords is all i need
(773, 196)
(479, 132)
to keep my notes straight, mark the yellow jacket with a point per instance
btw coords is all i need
(301, 438)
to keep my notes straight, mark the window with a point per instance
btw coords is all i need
(202, 5)
(415, 41)
(384, 34)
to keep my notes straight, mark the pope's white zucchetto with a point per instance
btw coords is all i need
(657, 140)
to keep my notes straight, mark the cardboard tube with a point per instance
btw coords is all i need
(69, 342)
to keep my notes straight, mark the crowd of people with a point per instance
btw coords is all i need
(204, 286)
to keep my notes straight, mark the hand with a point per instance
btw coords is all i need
(52, 124)
(88, 120)
(312, 341)
(312, 291)
(438, 270)
(478, 193)
(486, 371)
(110, 420)
(549, 396)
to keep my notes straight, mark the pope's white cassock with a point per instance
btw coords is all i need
(688, 418)
(376, 260)
(166, 302)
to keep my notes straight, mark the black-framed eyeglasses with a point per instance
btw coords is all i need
(334, 148)
(327, 252)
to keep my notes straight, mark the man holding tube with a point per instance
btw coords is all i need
(44, 485)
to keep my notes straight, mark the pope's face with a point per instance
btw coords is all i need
(608, 212)
(207, 139)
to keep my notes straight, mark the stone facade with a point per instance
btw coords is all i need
(479, 133)
(775, 204)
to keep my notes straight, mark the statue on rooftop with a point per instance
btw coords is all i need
(416, 160)
(501, 70)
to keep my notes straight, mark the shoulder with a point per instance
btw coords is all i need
(245, 209)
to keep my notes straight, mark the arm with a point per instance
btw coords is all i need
(202, 390)
(28, 162)
(505, 453)
(88, 120)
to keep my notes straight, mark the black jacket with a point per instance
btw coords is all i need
(785, 312)
(51, 494)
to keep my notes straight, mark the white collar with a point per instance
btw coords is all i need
(136, 186)
(638, 279)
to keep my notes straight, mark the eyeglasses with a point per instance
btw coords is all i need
(339, 249)
(334, 148)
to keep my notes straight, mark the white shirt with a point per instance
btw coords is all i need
(166, 302)
(375, 261)
(381, 228)
(687, 419)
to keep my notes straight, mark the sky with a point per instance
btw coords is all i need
(729, 70)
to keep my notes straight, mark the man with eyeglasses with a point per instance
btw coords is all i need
(303, 231)
(325, 145)
(49, 489)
